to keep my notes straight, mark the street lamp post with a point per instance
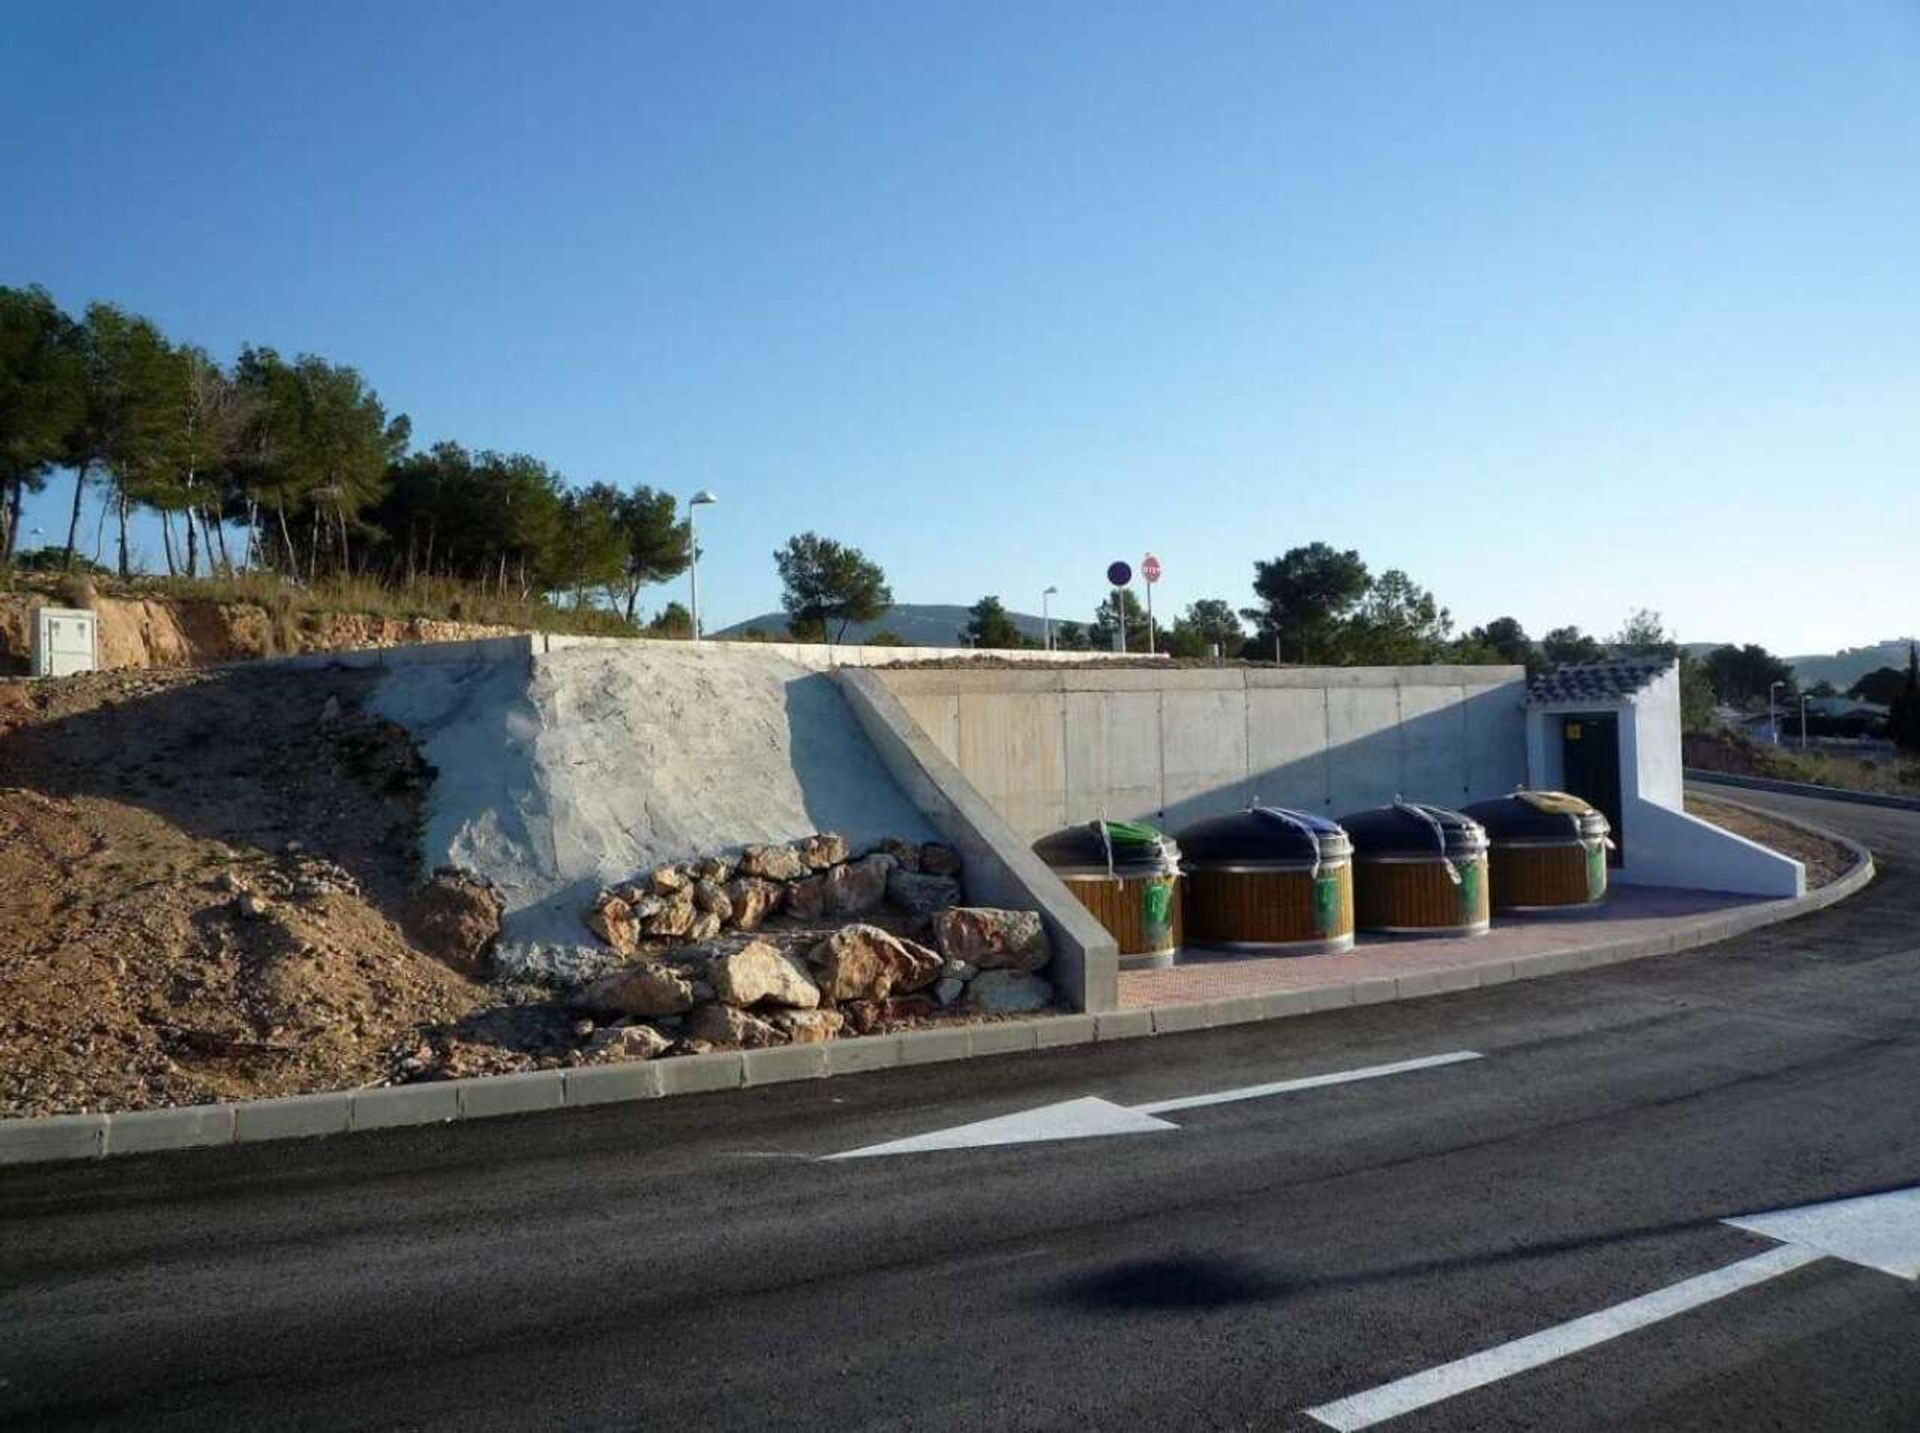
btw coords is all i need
(1803, 720)
(1046, 616)
(1773, 714)
(698, 500)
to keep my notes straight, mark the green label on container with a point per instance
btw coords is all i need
(1326, 905)
(1156, 904)
(1470, 878)
(1596, 870)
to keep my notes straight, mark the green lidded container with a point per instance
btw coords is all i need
(1127, 874)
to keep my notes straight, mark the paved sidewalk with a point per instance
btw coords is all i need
(1631, 913)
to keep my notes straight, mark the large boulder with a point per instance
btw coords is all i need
(755, 972)
(724, 1025)
(775, 863)
(629, 1042)
(922, 897)
(455, 918)
(864, 962)
(711, 896)
(992, 939)
(752, 899)
(939, 859)
(705, 926)
(807, 900)
(906, 854)
(675, 917)
(809, 1027)
(669, 880)
(821, 851)
(858, 887)
(1008, 992)
(613, 921)
(713, 868)
(643, 989)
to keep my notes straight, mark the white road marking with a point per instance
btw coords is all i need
(1878, 1231)
(1071, 1119)
(1390, 1400)
(1090, 1117)
(1307, 1082)
(1881, 1231)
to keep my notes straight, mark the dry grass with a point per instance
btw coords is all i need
(437, 599)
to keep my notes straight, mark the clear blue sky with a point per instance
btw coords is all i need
(1565, 309)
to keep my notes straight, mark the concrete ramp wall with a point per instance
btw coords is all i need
(563, 771)
(1049, 748)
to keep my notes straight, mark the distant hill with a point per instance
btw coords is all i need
(918, 624)
(1842, 668)
(1850, 664)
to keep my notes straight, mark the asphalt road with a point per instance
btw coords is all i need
(691, 1263)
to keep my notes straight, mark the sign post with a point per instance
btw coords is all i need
(1119, 575)
(1150, 569)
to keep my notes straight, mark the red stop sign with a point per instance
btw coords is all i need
(1150, 569)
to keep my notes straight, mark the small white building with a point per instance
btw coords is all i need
(1610, 732)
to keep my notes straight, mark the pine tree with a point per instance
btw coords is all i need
(1903, 723)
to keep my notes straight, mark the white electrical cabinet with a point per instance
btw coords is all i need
(65, 640)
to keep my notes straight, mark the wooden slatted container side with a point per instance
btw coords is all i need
(1544, 876)
(1271, 908)
(1120, 904)
(1413, 896)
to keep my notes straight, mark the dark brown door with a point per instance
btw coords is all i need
(1590, 761)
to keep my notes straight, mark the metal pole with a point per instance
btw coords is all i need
(1046, 618)
(1152, 645)
(1773, 714)
(693, 564)
(1803, 721)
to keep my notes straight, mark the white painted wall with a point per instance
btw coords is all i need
(1661, 844)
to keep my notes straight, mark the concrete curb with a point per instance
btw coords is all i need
(95, 1136)
(1802, 788)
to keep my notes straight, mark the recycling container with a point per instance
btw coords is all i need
(1269, 880)
(1548, 851)
(1419, 870)
(1127, 874)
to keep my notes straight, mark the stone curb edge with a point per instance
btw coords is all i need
(95, 1136)
(1801, 788)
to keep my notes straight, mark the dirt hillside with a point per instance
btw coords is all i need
(200, 875)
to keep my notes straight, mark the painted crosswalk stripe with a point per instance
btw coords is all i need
(1418, 1390)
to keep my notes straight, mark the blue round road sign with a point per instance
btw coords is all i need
(1119, 574)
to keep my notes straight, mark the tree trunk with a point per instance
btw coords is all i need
(166, 541)
(193, 548)
(121, 512)
(286, 535)
(10, 519)
(73, 524)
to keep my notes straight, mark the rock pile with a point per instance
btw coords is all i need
(811, 880)
(703, 968)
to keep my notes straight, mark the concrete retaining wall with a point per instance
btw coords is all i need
(1050, 748)
(1000, 868)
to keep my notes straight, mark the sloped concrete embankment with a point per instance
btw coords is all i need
(570, 770)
